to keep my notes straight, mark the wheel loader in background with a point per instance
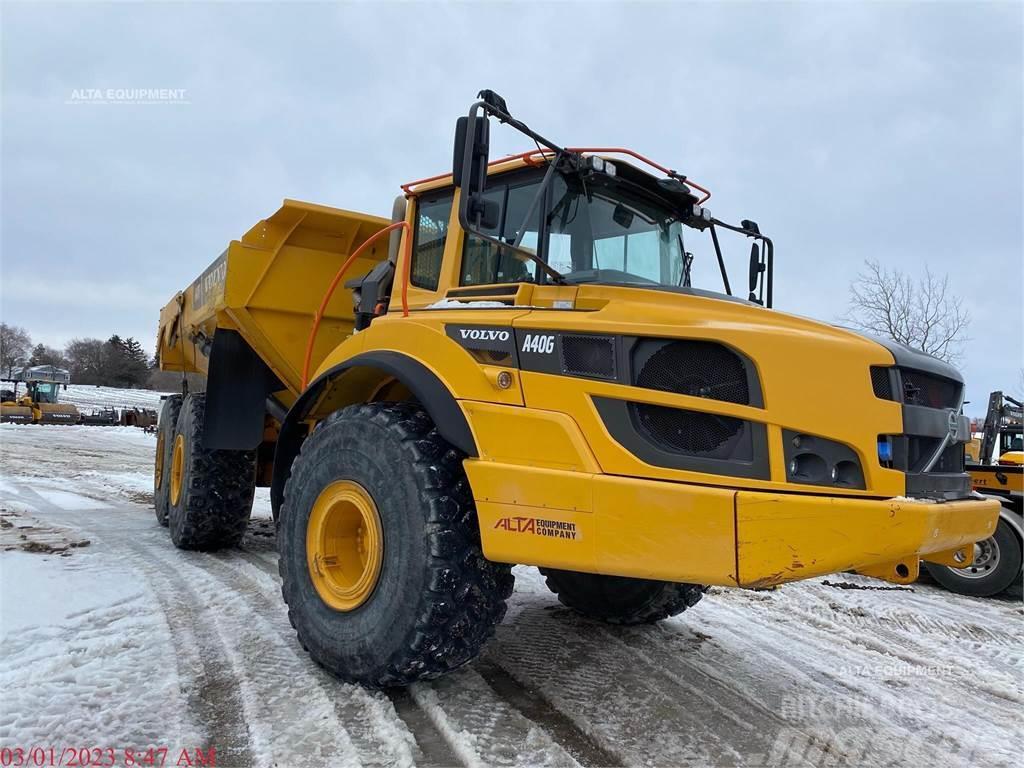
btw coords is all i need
(39, 403)
(997, 471)
(528, 364)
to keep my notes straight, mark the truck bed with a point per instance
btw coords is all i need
(268, 286)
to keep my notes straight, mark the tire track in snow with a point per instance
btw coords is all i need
(484, 729)
(351, 702)
(525, 711)
(813, 656)
(214, 699)
(479, 727)
(432, 748)
(626, 706)
(538, 709)
(330, 727)
(284, 712)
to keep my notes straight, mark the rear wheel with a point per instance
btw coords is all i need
(162, 462)
(620, 600)
(210, 492)
(381, 563)
(996, 566)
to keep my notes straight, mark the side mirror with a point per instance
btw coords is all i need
(469, 161)
(754, 271)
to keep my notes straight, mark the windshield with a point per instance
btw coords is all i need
(610, 233)
(46, 392)
(589, 228)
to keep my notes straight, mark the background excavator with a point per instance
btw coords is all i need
(39, 403)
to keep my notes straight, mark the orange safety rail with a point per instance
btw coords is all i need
(337, 279)
(531, 154)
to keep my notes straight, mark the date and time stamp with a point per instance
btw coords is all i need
(107, 757)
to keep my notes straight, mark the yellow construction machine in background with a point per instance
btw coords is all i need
(39, 403)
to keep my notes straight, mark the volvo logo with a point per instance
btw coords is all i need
(954, 426)
(484, 334)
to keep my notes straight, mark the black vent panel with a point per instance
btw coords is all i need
(692, 433)
(881, 382)
(929, 391)
(695, 368)
(592, 356)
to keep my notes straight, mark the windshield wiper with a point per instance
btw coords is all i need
(685, 279)
(554, 274)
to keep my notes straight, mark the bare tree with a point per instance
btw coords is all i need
(44, 355)
(15, 345)
(923, 314)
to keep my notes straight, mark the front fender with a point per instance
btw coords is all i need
(436, 399)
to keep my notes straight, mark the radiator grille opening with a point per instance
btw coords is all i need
(588, 356)
(691, 432)
(881, 382)
(929, 390)
(696, 368)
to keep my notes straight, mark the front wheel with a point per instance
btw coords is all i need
(620, 600)
(380, 554)
(996, 566)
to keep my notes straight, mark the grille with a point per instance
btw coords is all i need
(928, 390)
(697, 368)
(589, 356)
(919, 449)
(881, 383)
(690, 432)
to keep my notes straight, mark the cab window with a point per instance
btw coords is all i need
(484, 262)
(432, 218)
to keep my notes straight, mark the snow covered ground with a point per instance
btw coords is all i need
(87, 397)
(112, 638)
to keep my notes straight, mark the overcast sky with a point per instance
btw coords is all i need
(847, 131)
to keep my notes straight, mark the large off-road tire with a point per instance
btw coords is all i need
(162, 463)
(418, 599)
(997, 566)
(618, 600)
(211, 502)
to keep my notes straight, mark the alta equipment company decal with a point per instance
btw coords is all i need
(555, 529)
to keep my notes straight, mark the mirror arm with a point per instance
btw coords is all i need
(541, 189)
(721, 260)
(769, 264)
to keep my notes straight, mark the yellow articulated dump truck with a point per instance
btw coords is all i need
(540, 359)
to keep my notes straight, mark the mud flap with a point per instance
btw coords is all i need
(236, 393)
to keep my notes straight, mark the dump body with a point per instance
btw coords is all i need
(267, 286)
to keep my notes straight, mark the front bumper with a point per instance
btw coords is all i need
(652, 529)
(782, 538)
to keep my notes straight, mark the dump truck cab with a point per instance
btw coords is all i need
(542, 358)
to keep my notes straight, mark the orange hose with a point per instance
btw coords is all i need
(334, 284)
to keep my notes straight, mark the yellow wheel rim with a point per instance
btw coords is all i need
(344, 545)
(158, 472)
(177, 467)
